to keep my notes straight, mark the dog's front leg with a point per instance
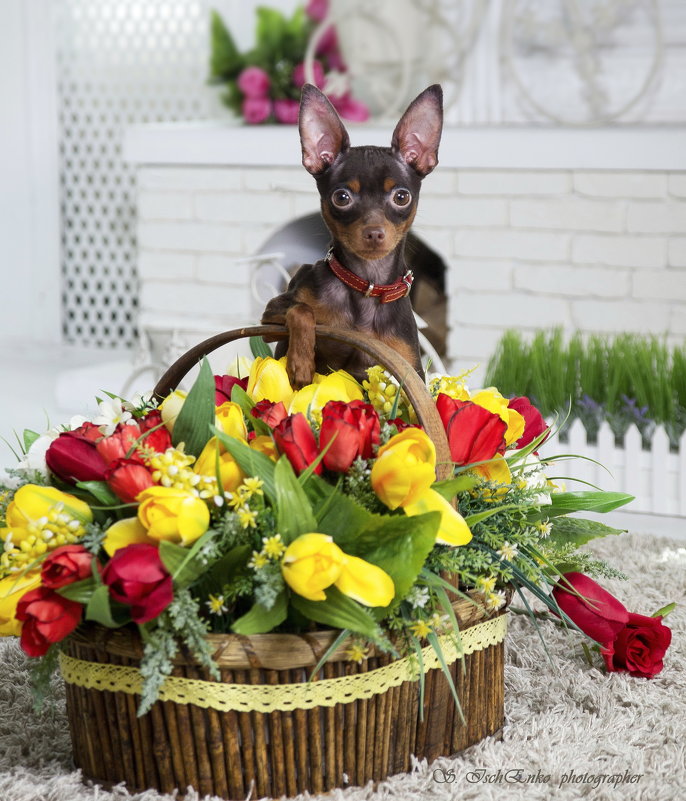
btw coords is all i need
(300, 322)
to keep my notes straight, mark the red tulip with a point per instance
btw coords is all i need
(270, 413)
(639, 647)
(120, 443)
(128, 477)
(350, 430)
(293, 437)
(534, 424)
(136, 577)
(73, 457)
(594, 610)
(223, 386)
(47, 618)
(158, 439)
(65, 565)
(474, 433)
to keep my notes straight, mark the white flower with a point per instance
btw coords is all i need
(34, 458)
(418, 597)
(535, 479)
(494, 600)
(111, 413)
(508, 551)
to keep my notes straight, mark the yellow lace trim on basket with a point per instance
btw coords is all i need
(284, 697)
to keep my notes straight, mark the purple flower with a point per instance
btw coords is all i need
(256, 109)
(316, 9)
(286, 111)
(350, 109)
(254, 82)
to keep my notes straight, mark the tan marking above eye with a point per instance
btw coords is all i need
(388, 184)
(354, 185)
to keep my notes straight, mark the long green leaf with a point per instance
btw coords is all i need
(450, 487)
(294, 514)
(250, 461)
(179, 561)
(260, 620)
(192, 426)
(241, 397)
(100, 491)
(563, 503)
(578, 531)
(259, 348)
(340, 612)
(100, 610)
(80, 591)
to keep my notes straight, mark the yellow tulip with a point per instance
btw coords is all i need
(313, 562)
(268, 380)
(497, 471)
(125, 532)
(11, 590)
(206, 465)
(265, 444)
(339, 386)
(32, 503)
(170, 408)
(453, 529)
(405, 468)
(173, 514)
(492, 400)
(229, 418)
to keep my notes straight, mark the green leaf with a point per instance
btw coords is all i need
(563, 503)
(223, 571)
(293, 509)
(251, 462)
(241, 397)
(100, 609)
(260, 349)
(450, 487)
(79, 591)
(29, 438)
(180, 563)
(225, 60)
(337, 514)
(666, 610)
(192, 426)
(338, 611)
(399, 545)
(100, 491)
(577, 531)
(477, 517)
(260, 620)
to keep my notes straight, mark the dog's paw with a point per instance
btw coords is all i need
(300, 372)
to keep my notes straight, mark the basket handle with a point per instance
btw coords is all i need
(381, 353)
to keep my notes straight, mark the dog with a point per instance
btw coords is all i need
(368, 201)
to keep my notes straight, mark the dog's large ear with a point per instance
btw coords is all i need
(418, 134)
(322, 135)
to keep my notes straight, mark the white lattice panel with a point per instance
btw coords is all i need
(119, 62)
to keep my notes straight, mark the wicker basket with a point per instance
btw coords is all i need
(229, 748)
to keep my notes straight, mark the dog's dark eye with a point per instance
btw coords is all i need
(401, 197)
(341, 198)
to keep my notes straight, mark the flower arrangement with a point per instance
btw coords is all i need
(245, 506)
(263, 85)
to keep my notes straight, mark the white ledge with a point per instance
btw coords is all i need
(219, 143)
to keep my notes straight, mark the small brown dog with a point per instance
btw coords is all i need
(368, 200)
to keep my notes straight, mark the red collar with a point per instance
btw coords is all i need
(385, 292)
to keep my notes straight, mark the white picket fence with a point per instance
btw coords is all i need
(656, 477)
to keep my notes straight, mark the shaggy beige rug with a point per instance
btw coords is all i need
(571, 731)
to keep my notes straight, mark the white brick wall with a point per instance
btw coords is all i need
(603, 251)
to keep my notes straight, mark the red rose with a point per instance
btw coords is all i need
(223, 387)
(74, 457)
(594, 610)
(293, 437)
(474, 433)
(270, 413)
(136, 577)
(639, 647)
(128, 477)
(65, 565)
(534, 424)
(350, 430)
(47, 618)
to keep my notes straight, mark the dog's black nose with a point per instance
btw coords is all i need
(374, 234)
